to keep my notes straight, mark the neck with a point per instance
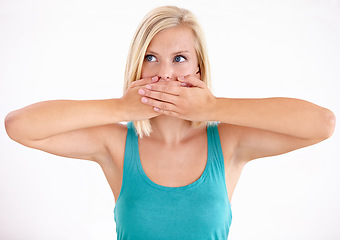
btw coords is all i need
(169, 129)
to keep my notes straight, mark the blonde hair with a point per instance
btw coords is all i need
(155, 21)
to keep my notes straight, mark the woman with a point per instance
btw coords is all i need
(171, 169)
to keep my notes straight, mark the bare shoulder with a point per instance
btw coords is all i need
(115, 138)
(112, 162)
(228, 137)
(247, 143)
(102, 144)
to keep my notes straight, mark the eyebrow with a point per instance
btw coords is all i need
(175, 53)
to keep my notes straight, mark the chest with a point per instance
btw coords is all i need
(173, 165)
(190, 213)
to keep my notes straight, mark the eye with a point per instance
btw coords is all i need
(179, 58)
(150, 58)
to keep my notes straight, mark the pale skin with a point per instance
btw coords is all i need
(171, 95)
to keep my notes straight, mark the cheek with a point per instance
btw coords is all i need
(186, 69)
(147, 71)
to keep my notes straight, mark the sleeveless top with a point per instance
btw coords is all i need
(146, 210)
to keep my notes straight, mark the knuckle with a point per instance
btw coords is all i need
(150, 101)
(175, 101)
(136, 83)
(132, 84)
(147, 93)
(157, 95)
(180, 111)
(164, 106)
(161, 95)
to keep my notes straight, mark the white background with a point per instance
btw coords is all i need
(76, 49)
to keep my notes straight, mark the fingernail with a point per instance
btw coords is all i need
(144, 100)
(141, 91)
(148, 86)
(154, 79)
(156, 109)
(180, 78)
(183, 84)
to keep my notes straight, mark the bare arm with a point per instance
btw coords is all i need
(47, 119)
(272, 126)
(65, 127)
(78, 129)
(288, 116)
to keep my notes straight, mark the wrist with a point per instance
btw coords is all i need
(218, 110)
(213, 109)
(121, 109)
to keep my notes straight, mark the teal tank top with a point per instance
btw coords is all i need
(145, 210)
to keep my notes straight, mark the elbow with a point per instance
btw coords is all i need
(328, 124)
(17, 128)
(11, 126)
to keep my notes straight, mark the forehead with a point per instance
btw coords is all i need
(177, 38)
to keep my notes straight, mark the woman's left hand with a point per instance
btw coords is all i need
(188, 98)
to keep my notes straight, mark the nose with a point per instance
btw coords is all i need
(165, 71)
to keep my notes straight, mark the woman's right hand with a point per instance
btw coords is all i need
(134, 109)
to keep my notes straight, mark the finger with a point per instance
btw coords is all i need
(170, 88)
(144, 81)
(160, 96)
(166, 112)
(169, 82)
(191, 80)
(165, 106)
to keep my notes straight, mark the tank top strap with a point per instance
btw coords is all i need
(131, 155)
(131, 145)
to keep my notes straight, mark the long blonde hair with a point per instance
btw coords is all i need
(155, 21)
